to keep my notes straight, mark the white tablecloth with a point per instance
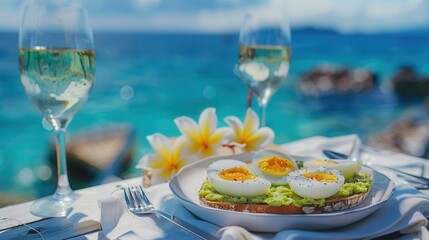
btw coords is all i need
(405, 211)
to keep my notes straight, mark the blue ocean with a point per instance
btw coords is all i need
(148, 79)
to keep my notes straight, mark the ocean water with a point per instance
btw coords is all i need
(147, 80)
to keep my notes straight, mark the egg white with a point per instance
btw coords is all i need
(246, 188)
(276, 180)
(311, 188)
(347, 167)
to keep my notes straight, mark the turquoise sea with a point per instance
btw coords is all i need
(148, 79)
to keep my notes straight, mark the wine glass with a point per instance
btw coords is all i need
(264, 56)
(57, 66)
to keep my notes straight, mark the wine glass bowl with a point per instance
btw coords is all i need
(57, 67)
(56, 80)
(264, 56)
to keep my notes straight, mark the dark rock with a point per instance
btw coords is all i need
(403, 137)
(327, 80)
(409, 136)
(407, 83)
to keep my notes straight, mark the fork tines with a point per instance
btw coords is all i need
(143, 195)
(129, 198)
(136, 198)
(139, 204)
(132, 198)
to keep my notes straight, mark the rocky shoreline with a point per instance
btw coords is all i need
(407, 83)
(408, 135)
(327, 80)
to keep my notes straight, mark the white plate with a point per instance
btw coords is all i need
(186, 184)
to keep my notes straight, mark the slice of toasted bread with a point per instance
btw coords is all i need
(331, 205)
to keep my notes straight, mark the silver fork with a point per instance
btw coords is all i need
(139, 204)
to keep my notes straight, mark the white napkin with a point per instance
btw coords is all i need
(313, 146)
(118, 223)
(374, 157)
(85, 218)
(406, 211)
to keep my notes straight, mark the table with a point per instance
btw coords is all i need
(76, 226)
(84, 221)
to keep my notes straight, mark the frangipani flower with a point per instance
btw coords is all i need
(248, 134)
(167, 159)
(202, 138)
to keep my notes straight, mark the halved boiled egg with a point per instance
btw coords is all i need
(273, 166)
(316, 183)
(235, 178)
(347, 167)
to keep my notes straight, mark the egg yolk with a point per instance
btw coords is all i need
(321, 176)
(323, 162)
(236, 174)
(275, 166)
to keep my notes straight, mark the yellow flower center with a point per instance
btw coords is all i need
(173, 167)
(236, 174)
(276, 166)
(321, 176)
(205, 144)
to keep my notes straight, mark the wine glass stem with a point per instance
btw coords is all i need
(263, 106)
(63, 187)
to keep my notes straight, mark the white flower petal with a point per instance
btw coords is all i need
(251, 122)
(225, 130)
(236, 125)
(269, 133)
(207, 122)
(188, 127)
(145, 161)
(218, 137)
(157, 177)
(161, 144)
(190, 147)
(178, 144)
(260, 138)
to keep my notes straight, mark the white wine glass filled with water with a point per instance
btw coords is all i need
(57, 66)
(264, 56)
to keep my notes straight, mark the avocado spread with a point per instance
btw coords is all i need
(283, 195)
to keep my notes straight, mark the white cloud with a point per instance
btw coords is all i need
(358, 15)
(227, 15)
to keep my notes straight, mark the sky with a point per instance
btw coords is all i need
(213, 16)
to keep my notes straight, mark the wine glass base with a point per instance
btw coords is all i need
(54, 205)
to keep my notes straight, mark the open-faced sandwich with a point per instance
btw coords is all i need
(274, 182)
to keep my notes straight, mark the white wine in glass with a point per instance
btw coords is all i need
(57, 66)
(264, 56)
